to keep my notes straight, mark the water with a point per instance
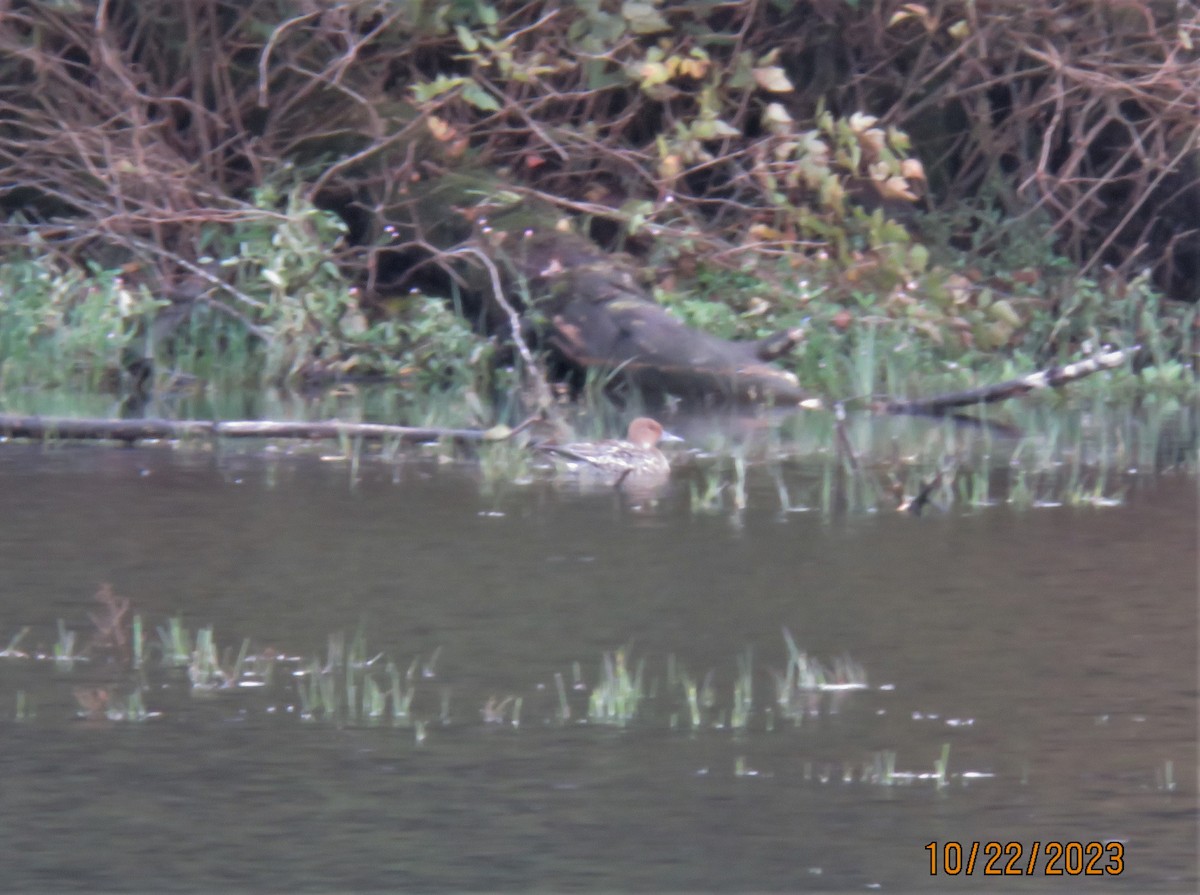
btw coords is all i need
(1053, 649)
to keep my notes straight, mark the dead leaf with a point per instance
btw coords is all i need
(773, 78)
(441, 129)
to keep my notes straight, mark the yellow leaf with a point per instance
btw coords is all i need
(652, 73)
(912, 11)
(764, 233)
(670, 167)
(441, 129)
(757, 307)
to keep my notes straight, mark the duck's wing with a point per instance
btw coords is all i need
(574, 451)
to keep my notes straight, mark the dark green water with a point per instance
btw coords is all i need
(1053, 649)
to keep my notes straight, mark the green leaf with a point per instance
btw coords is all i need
(466, 38)
(644, 18)
(435, 88)
(480, 98)
(650, 74)
(918, 258)
(1004, 312)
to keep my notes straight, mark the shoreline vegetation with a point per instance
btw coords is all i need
(129, 431)
(341, 197)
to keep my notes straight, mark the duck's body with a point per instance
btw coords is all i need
(637, 454)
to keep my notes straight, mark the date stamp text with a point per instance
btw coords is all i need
(1051, 858)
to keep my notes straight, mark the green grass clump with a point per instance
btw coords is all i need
(799, 688)
(347, 690)
(618, 694)
(66, 327)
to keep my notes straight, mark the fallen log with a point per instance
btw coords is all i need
(599, 317)
(129, 431)
(590, 307)
(1053, 377)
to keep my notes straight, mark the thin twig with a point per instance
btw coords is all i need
(533, 369)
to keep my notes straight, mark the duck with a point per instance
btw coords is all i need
(637, 454)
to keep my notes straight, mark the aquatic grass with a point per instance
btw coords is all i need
(881, 771)
(306, 690)
(175, 643)
(941, 766)
(131, 708)
(706, 494)
(64, 648)
(739, 482)
(708, 691)
(975, 489)
(863, 363)
(505, 462)
(346, 688)
(564, 708)
(137, 640)
(798, 689)
(204, 666)
(401, 698)
(374, 700)
(495, 711)
(1164, 777)
(13, 650)
(743, 691)
(679, 680)
(429, 669)
(103, 704)
(742, 769)
(693, 701)
(1019, 493)
(617, 695)
(786, 505)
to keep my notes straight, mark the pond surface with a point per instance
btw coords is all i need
(1052, 650)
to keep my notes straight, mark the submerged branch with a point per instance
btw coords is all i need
(1054, 377)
